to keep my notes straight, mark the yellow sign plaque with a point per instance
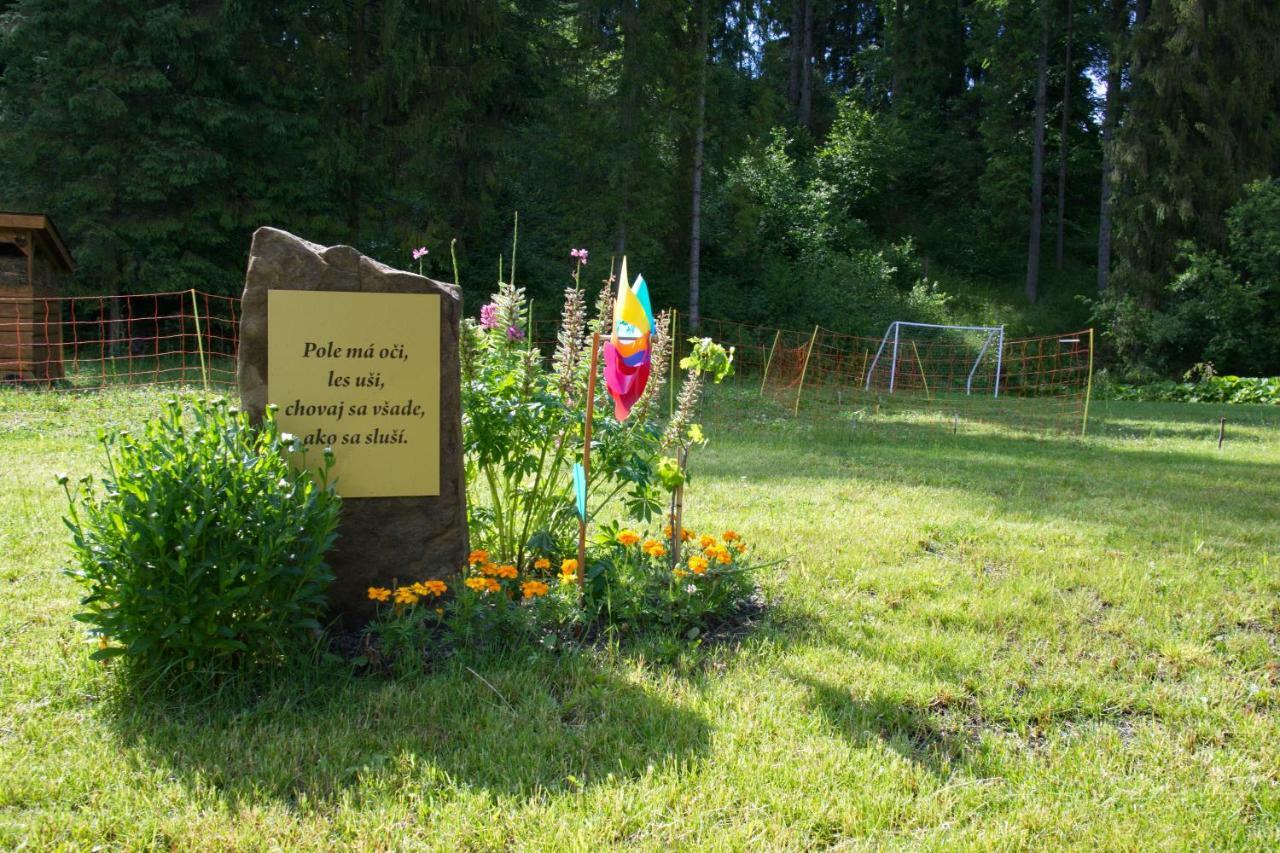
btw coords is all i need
(360, 372)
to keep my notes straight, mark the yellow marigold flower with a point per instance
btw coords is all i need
(730, 536)
(569, 567)
(686, 535)
(533, 589)
(478, 584)
(654, 548)
(439, 612)
(698, 565)
(406, 595)
(680, 573)
(666, 530)
(628, 538)
(706, 541)
(436, 588)
(566, 580)
(477, 556)
(719, 553)
(379, 593)
(542, 563)
(506, 572)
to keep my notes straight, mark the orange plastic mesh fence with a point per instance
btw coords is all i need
(944, 376)
(191, 337)
(88, 342)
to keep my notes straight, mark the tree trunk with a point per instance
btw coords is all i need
(795, 39)
(699, 133)
(1110, 116)
(1037, 170)
(805, 111)
(627, 90)
(1063, 147)
(896, 52)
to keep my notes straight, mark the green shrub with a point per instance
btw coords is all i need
(203, 551)
(1212, 389)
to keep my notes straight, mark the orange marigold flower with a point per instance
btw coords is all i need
(379, 593)
(740, 547)
(654, 548)
(680, 573)
(569, 567)
(477, 556)
(686, 535)
(628, 538)
(542, 563)
(506, 572)
(719, 553)
(491, 585)
(489, 569)
(698, 565)
(533, 589)
(436, 588)
(706, 541)
(666, 530)
(730, 536)
(406, 595)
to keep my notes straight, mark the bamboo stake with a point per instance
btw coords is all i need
(586, 455)
(195, 309)
(769, 361)
(1088, 389)
(923, 378)
(800, 388)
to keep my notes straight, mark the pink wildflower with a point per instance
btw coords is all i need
(489, 316)
(419, 253)
(579, 254)
(515, 333)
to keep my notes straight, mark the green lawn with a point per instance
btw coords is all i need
(980, 640)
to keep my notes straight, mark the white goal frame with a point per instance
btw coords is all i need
(895, 330)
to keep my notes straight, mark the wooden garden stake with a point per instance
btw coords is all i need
(1222, 430)
(677, 523)
(586, 455)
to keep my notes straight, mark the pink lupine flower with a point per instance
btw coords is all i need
(489, 316)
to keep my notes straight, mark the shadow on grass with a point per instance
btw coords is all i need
(500, 724)
(912, 732)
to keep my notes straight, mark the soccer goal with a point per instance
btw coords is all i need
(937, 360)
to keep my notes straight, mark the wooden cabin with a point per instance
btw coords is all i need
(33, 263)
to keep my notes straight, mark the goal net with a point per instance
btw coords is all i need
(920, 372)
(936, 360)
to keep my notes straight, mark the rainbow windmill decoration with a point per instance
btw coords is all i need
(627, 353)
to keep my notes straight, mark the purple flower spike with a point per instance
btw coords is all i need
(489, 316)
(515, 333)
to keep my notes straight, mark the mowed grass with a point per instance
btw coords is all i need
(979, 640)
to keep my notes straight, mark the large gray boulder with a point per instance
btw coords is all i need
(380, 539)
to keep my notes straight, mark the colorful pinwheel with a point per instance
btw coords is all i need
(627, 352)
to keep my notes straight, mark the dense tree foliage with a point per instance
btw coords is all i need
(773, 160)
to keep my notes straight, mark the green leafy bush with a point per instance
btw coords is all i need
(1212, 389)
(203, 550)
